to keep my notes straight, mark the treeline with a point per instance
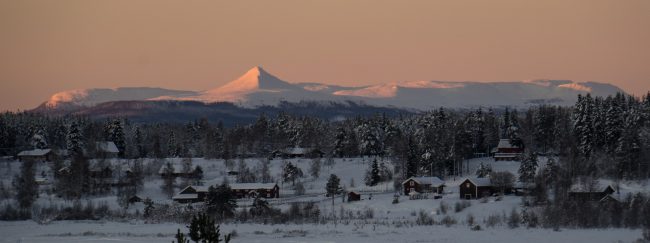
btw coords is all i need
(602, 136)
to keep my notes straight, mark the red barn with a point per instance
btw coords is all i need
(506, 151)
(475, 188)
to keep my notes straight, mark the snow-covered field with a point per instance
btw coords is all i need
(390, 222)
(91, 231)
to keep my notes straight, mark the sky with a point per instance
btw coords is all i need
(50, 46)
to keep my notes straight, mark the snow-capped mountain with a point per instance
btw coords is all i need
(258, 87)
(89, 97)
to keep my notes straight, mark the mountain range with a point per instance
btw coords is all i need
(258, 88)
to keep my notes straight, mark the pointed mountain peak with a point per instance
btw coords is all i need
(255, 78)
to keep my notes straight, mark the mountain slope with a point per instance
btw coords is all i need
(89, 97)
(258, 88)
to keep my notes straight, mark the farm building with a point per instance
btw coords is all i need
(253, 190)
(36, 155)
(473, 188)
(191, 194)
(354, 196)
(106, 149)
(505, 151)
(590, 191)
(423, 184)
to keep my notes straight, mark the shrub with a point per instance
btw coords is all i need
(448, 221)
(424, 218)
(459, 206)
(493, 220)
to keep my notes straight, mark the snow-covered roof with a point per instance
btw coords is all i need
(480, 181)
(252, 186)
(186, 196)
(505, 143)
(427, 180)
(35, 152)
(106, 147)
(196, 188)
(595, 186)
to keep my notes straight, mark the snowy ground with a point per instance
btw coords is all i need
(85, 231)
(385, 226)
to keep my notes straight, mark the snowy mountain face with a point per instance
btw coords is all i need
(257, 87)
(91, 97)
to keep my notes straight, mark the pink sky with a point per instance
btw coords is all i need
(50, 46)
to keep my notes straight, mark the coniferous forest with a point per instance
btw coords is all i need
(597, 138)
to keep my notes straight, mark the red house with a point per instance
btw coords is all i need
(253, 190)
(505, 151)
(423, 184)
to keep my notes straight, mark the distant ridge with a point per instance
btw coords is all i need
(257, 87)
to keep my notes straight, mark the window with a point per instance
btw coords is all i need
(412, 183)
(467, 184)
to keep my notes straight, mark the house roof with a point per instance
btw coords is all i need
(427, 180)
(106, 147)
(505, 143)
(186, 196)
(481, 182)
(252, 186)
(35, 152)
(595, 186)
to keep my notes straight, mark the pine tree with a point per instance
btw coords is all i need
(116, 135)
(74, 140)
(38, 140)
(139, 144)
(340, 142)
(412, 160)
(528, 169)
(483, 170)
(172, 147)
(333, 186)
(372, 175)
(220, 201)
(290, 173)
(314, 168)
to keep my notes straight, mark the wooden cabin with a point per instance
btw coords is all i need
(595, 191)
(505, 151)
(191, 194)
(253, 190)
(36, 155)
(106, 149)
(354, 196)
(473, 188)
(423, 184)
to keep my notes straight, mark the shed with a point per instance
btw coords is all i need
(354, 196)
(36, 155)
(423, 184)
(593, 191)
(473, 188)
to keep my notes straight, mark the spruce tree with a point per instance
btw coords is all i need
(74, 140)
(220, 201)
(528, 168)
